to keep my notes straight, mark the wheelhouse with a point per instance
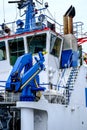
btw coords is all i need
(12, 47)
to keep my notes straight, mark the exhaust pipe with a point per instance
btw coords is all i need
(68, 20)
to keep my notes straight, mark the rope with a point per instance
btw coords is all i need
(3, 12)
(16, 13)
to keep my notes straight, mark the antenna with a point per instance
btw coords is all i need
(21, 3)
(14, 1)
(40, 1)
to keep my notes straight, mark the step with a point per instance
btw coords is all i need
(70, 89)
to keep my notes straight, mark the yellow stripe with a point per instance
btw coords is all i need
(30, 79)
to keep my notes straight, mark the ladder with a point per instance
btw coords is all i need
(70, 84)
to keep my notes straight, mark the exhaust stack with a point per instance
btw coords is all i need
(68, 20)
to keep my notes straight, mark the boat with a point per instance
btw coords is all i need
(43, 72)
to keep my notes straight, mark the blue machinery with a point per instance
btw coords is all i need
(24, 77)
(30, 21)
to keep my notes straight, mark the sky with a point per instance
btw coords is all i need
(9, 12)
(56, 7)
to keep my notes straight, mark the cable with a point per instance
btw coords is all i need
(3, 12)
(50, 14)
(16, 13)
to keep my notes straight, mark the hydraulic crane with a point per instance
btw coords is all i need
(24, 77)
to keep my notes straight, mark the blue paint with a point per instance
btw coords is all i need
(28, 82)
(86, 96)
(69, 58)
(66, 58)
(75, 59)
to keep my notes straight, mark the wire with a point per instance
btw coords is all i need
(16, 13)
(3, 11)
(50, 14)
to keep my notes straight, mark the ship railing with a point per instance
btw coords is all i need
(9, 96)
(48, 22)
(78, 29)
(12, 97)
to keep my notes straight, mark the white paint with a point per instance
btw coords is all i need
(27, 119)
(57, 116)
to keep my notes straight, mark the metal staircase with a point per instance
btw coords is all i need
(70, 83)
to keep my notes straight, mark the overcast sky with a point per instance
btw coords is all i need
(9, 12)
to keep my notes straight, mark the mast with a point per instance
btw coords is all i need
(30, 20)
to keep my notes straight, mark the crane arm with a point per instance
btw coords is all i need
(24, 75)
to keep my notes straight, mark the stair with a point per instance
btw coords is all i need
(70, 83)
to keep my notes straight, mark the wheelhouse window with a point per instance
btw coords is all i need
(36, 43)
(2, 51)
(55, 45)
(16, 49)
